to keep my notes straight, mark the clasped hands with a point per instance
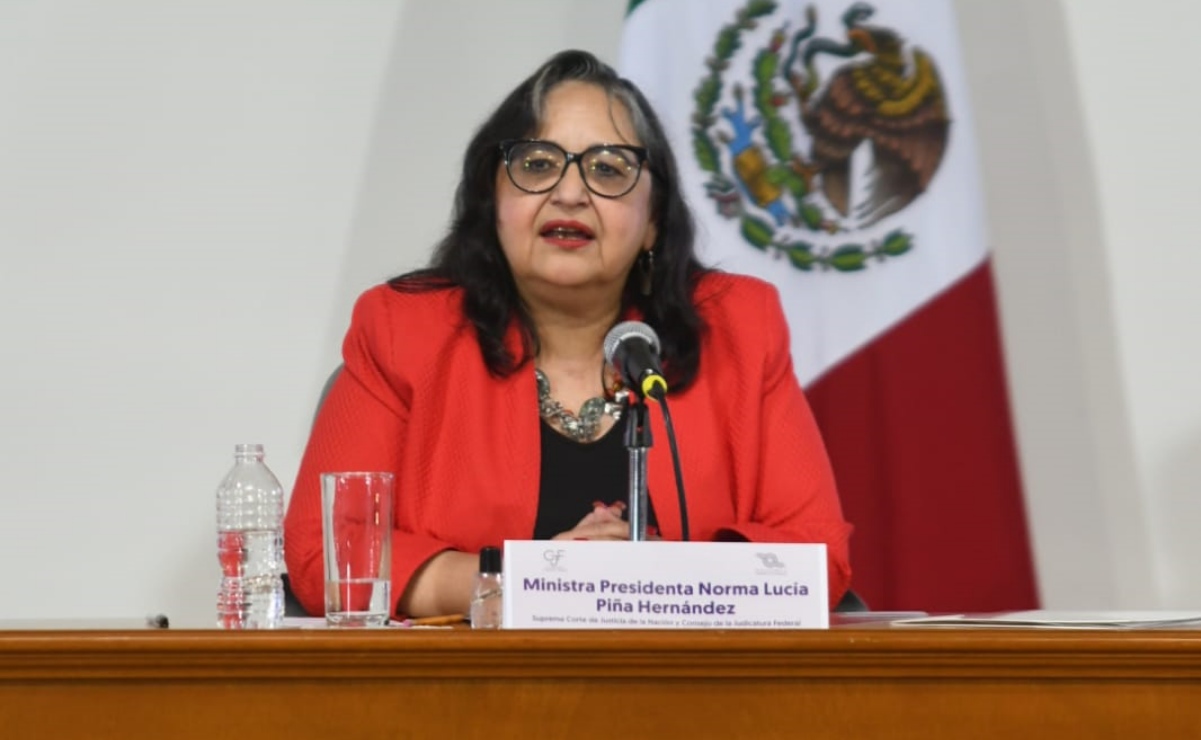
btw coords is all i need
(444, 584)
(604, 522)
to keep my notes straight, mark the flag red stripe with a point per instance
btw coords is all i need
(919, 432)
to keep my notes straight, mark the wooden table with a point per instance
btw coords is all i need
(855, 682)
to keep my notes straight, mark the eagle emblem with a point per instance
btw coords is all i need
(820, 137)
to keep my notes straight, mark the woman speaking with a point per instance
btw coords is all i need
(481, 383)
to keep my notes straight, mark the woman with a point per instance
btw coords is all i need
(467, 379)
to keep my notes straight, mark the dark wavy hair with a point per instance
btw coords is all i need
(470, 254)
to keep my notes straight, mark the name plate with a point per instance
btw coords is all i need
(664, 585)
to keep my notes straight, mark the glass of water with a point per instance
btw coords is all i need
(357, 527)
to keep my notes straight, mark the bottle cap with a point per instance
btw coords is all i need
(248, 452)
(490, 560)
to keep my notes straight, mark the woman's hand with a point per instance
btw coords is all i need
(604, 522)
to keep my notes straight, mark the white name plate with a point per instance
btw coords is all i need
(664, 585)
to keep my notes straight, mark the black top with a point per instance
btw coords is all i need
(574, 475)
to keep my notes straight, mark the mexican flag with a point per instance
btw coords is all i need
(827, 146)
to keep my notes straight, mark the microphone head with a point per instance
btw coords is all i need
(627, 330)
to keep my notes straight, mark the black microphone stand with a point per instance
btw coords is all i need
(638, 441)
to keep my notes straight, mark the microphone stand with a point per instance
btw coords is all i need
(638, 441)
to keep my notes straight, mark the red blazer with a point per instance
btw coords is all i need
(415, 398)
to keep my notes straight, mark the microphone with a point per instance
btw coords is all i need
(632, 348)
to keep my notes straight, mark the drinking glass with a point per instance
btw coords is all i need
(357, 528)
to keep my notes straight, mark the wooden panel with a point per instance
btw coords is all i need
(852, 683)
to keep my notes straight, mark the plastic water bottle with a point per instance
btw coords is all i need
(250, 544)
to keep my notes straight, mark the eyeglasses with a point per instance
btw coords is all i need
(609, 170)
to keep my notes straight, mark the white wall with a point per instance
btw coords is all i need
(1087, 110)
(192, 193)
(1141, 108)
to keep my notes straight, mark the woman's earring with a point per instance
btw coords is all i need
(646, 266)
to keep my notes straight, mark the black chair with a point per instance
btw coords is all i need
(851, 602)
(292, 607)
(329, 383)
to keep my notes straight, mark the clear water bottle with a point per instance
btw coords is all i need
(486, 598)
(250, 544)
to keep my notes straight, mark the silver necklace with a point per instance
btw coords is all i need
(581, 427)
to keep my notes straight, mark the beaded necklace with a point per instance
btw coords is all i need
(580, 427)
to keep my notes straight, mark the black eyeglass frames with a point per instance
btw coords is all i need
(608, 170)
